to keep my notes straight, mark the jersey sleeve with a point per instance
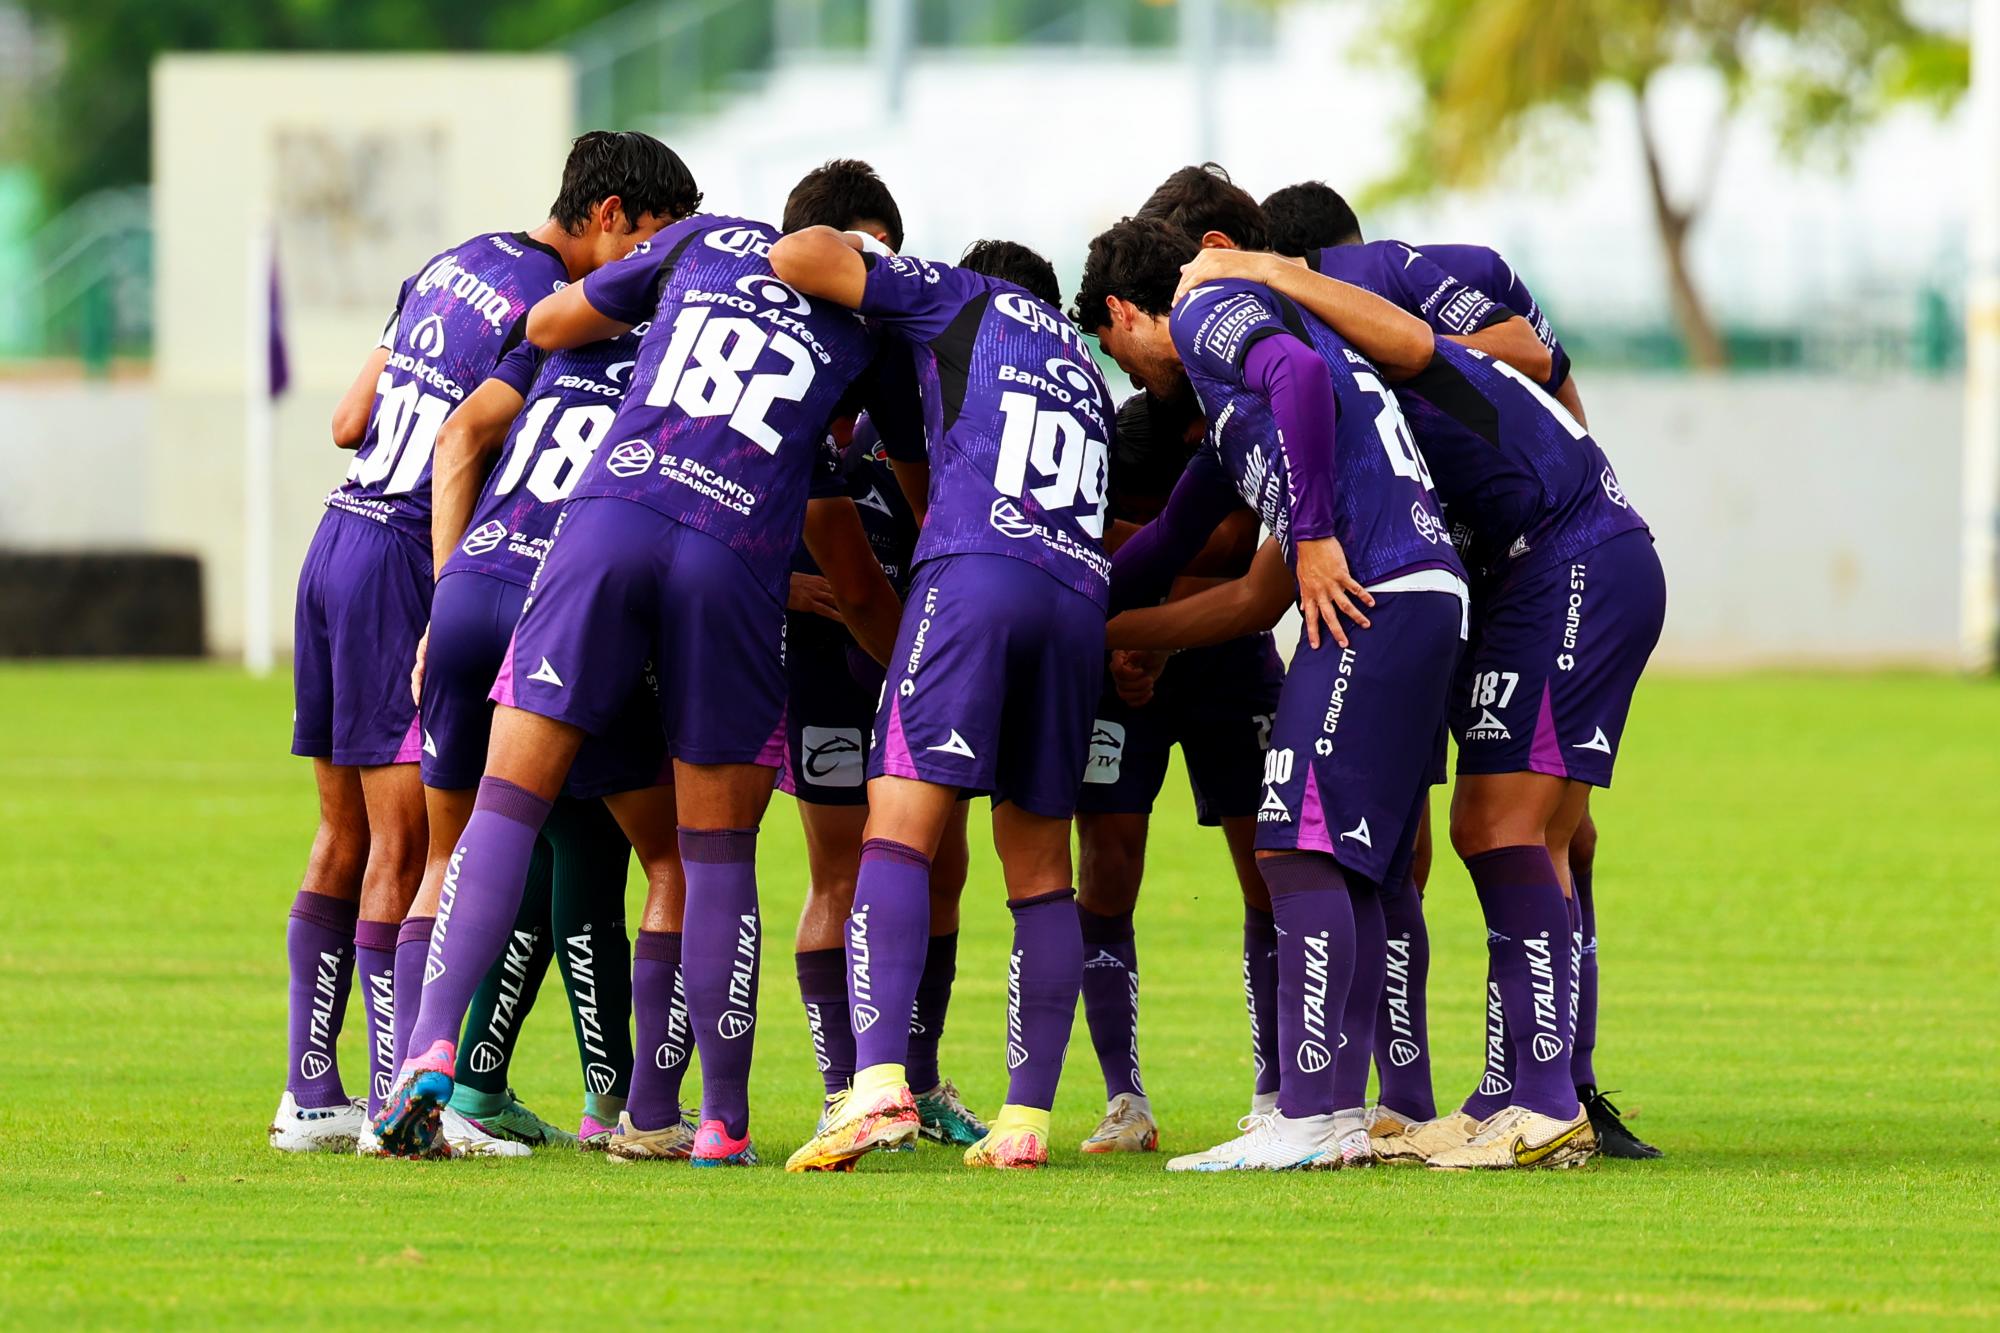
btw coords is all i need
(1293, 378)
(517, 369)
(395, 320)
(1214, 329)
(1449, 306)
(915, 297)
(628, 289)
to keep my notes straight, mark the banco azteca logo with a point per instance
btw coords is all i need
(770, 291)
(428, 336)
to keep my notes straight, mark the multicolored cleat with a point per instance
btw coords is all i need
(1018, 1141)
(411, 1119)
(1517, 1139)
(513, 1121)
(593, 1135)
(1128, 1126)
(855, 1124)
(714, 1147)
(629, 1143)
(460, 1136)
(946, 1119)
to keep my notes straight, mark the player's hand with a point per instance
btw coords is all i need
(1134, 673)
(812, 593)
(1328, 591)
(417, 671)
(1213, 265)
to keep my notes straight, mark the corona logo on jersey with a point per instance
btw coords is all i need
(740, 241)
(449, 276)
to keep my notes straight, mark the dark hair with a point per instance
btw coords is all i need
(1015, 263)
(840, 194)
(645, 174)
(1137, 260)
(1149, 452)
(1203, 199)
(1309, 216)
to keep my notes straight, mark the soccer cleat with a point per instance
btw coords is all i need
(943, 1117)
(1263, 1103)
(298, 1128)
(593, 1135)
(1271, 1143)
(714, 1147)
(855, 1123)
(1516, 1138)
(515, 1122)
(1351, 1127)
(629, 1143)
(408, 1124)
(1127, 1127)
(1613, 1138)
(1018, 1141)
(461, 1136)
(1420, 1142)
(1384, 1126)
(367, 1143)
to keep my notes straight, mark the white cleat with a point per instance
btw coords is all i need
(1352, 1128)
(1263, 1103)
(466, 1139)
(298, 1128)
(1271, 1143)
(1128, 1126)
(367, 1143)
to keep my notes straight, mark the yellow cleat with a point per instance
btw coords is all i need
(1517, 1139)
(862, 1120)
(1418, 1143)
(1019, 1140)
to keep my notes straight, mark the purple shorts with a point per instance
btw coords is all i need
(364, 598)
(1352, 749)
(1555, 657)
(624, 586)
(993, 683)
(472, 618)
(1218, 705)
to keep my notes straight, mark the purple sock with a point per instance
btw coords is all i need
(399, 1008)
(927, 1015)
(1527, 927)
(319, 951)
(1315, 964)
(375, 961)
(476, 910)
(823, 988)
(1581, 1071)
(1496, 1080)
(1364, 995)
(1402, 1021)
(1044, 975)
(664, 1040)
(1260, 995)
(1111, 999)
(720, 935)
(886, 937)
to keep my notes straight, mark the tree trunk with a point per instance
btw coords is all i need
(1673, 223)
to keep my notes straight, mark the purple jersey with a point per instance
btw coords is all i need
(736, 381)
(1406, 277)
(1482, 268)
(452, 323)
(571, 399)
(1017, 415)
(1523, 483)
(1383, 511)
(861, 472)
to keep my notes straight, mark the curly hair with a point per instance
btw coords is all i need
(1137, 260)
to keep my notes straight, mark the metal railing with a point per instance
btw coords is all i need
(90, 296)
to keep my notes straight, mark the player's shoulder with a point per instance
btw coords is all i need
(1215, 320)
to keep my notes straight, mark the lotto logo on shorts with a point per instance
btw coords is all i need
(1107, 752)
(833, 756)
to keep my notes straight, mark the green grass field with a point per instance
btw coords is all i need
(1798, 890)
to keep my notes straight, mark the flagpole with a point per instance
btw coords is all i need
(259, 431)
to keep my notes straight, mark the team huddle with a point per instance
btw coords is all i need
(656, 509)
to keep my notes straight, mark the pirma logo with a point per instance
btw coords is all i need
(865, 1016)
(314, 1064)
(629, 459)
(1313, 1057)
(734, 1024)
(1401, 1052)
(600, 1078)
(428, 336)
(1547, 1047)
(485, 1058)
(668, 1056)
(485, 537)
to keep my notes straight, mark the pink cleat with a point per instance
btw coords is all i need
(714, 1147)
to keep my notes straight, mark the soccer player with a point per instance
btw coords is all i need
(364, 597)
(1303, 430)
(1217, 704)
(996, 667)
(1570, 603)
(1309, 220)
(673, 550)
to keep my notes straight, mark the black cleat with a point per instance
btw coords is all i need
(1613, 1138)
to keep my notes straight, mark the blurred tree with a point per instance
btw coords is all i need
(89, 128)
(1496, 73)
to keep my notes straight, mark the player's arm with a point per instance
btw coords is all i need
(1567, 395)
(466, 445)
(1144, 567)
(868, 603)
(568, 319)
(820, 261)
(913, 477)
(608, 302)
(351, 413)
(1511, 340)
(1226, 611)
(1397, 342)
